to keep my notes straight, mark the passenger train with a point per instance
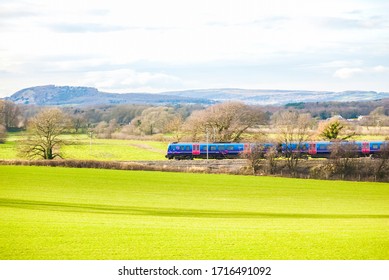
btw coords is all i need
(221, 150)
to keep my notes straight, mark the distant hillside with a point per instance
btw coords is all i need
(65, 95)
(279, 97)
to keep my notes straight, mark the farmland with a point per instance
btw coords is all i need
(65, 213)
(80, 147)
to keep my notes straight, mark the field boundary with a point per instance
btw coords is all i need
(308, 169)
(192, 166)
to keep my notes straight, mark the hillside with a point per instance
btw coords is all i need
(84, 96)
(279, 97)
(66, 95)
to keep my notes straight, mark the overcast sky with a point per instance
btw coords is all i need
(154, 46)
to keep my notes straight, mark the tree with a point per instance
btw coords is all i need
(255, 157)
(332, 131)
(175, 126)
(294, 129)
(154, 120)
(226, 121)
(10, 115)
(45, 130)
(261, 156)
(378, 118)
(78, 123)
(381, 166)
(3, 133)
(105, 130)
(343, 158)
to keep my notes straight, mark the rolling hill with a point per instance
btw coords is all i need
(67, 95)
(85, 96)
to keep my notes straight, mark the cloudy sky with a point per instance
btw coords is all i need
(154, 46)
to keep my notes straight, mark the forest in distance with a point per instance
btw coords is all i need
(143, 119)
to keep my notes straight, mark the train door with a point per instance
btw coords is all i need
(246, 148)
(312, 149)
(365, 147)
(196, 149)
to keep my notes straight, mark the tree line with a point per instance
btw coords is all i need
(223, 122)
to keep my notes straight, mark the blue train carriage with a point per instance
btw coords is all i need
(372, 148)
(376, 147)
(322, 149)
(295, 147)
(204, 150)
(319, 149)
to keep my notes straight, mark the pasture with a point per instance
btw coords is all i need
(65, 213)
(80, 147)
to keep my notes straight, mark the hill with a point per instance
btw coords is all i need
(84, 96)
(66, 95)
(279, 97)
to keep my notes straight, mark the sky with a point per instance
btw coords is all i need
(154, 46)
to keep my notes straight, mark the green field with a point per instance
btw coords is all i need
(65, 213)
(81, 147)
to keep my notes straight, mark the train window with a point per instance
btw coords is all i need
(375, 146)
(212, 148)
(204, 148)
(230, 148)
(220, 147)
(177, 148)
(182, 148)
(187, 148)
(321, 147)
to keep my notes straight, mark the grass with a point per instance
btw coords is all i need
(80, 147)
(65, 213)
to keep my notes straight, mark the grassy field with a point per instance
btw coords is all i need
(80, 147)
(64, 213)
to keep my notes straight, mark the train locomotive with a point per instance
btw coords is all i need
(230, 150)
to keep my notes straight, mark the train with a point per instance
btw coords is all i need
(231, 150)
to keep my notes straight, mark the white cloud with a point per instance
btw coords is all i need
(278, 36)
(346, 73)
(381, 69)
(126, 80)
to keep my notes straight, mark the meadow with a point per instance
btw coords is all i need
(66, 213)
(80, 147)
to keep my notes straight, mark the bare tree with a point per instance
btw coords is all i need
(261, 156)
(105, 130)
(154, 120)
(78, 123)
(44, 138)
(294, 129)
(10, 115)
(175, 126)
(271, 159)
(255, 156)
(3, 133)
(344, 158)
(381, 166)
(226, 121)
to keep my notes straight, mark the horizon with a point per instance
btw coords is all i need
(156, 47)
(199, 89)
